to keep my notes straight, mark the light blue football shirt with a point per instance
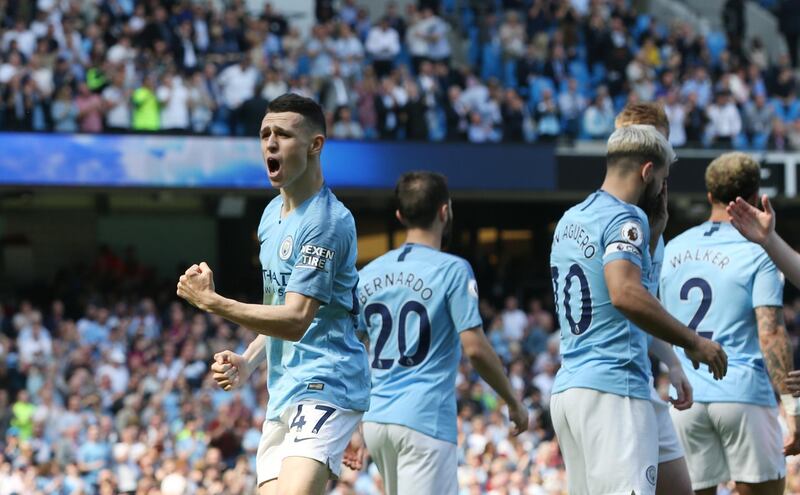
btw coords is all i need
(600, 348)
(712, 280)
(654, 276)
(313, 252)
(415, 300)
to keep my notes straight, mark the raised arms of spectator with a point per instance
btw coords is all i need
(488, 365)
(759, 226)
(631, 298)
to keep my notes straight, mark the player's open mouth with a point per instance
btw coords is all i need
(273, 165)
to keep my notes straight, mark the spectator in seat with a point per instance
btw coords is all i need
(556, 66)
(388, 105)
(724, 121)
(350, 53)
(173, 98)
(416, 111)
(274, 86)
(146, 109)
(794, 135)
(758, 117)
(90, 110)
(517, 124)
(64, 111)
(457, 116)
(251, 113)
(571, 105)
(186, 53)
(201, 104)
(383, 45)
(700, 85)
(547, 116)
(598, 120)
(417, 40)
(513, 37)
(344, 127)
(334, 92)
(321, 50)
(778, 139)
(366, 93)
(696, 120)
(676, 115)
(237, 84)
(117, 100)
(480, 129)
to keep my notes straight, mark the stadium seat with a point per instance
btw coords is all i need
(537, 86)
(717, 43)
(474, 50)
(740, 142)
(759, 141)
(491, 65)
(510, 73)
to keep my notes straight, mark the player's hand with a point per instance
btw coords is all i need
(678, 380)
(196, 285)
(518, 414)
(230, 370)
(793, 383)
(792, 444)
(709, 352)
(755, 224)
(355, 452)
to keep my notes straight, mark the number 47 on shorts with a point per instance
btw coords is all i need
(299, 420)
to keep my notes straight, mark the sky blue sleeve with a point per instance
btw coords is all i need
(361, 324)
(462, 298)
(658, 262)
(767, 285)
(625, 238)
(322, 249)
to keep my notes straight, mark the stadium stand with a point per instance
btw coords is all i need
(542, 69)
(104, 383)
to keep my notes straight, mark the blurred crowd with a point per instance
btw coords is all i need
(112, 394)
(478, 71)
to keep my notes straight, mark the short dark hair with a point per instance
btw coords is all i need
(419, 196)
(310, 110)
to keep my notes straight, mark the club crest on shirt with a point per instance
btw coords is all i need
(632, 232)
(651, 475)
(286, 248)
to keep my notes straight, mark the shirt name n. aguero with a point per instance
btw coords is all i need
(712, 256)
(577, 233)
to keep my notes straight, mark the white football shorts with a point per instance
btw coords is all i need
(313, 429)
(411, 462)
(609, 442)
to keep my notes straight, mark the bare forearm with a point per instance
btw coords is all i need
(786, 258)
(256, 353)
(646, 312)
(489, 367)
(272, 321)
(775, 346)
(664, 353)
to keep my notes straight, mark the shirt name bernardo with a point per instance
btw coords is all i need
(315, 257)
